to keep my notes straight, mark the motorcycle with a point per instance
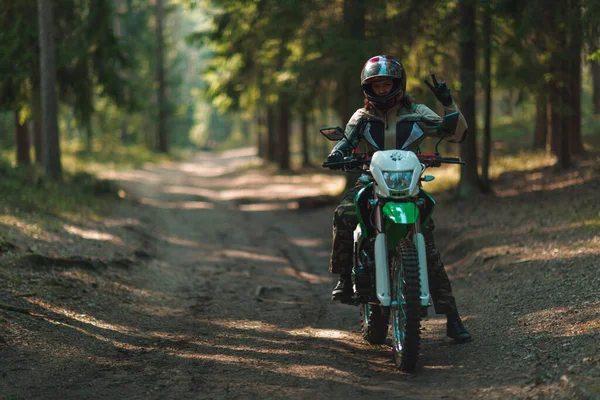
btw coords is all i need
(389, 273)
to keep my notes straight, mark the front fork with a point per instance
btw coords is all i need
(382, 266)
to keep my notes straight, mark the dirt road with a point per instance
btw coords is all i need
(228, 297)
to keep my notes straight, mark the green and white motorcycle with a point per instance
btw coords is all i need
(389, 273)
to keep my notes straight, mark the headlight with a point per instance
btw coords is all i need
(398, 180)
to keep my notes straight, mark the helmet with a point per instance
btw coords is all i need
(379, 68)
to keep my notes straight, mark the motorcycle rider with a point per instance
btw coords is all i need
(375, 127)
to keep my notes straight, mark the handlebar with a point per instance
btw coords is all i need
(430, 160)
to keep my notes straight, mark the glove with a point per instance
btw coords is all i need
(441, 91)
(334, 157)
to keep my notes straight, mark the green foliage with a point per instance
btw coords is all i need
(21, 195)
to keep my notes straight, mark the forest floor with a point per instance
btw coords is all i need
(209, 280)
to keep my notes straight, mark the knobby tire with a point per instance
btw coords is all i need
(406, 317)
(374, 323)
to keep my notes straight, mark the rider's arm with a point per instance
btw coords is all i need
(429, 127)
(353, 133)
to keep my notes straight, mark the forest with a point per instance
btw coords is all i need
(199, 74)
(166, 220)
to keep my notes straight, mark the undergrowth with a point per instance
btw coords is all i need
(26, 194)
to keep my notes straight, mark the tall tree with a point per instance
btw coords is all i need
(560, 109)
(284, 132)
(304, 139)
(160, 68)
(575, 47)
(595, 69)
(21, 140)
(591, 24)
(469, 178)
(487, 82)
(50, 133)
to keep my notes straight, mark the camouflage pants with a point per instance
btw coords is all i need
(344, 223)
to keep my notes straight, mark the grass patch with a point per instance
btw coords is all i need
(26, 196)
(23, 194)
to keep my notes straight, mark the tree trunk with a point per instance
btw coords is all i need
(541, 120)
(575, 46)
(89, 135)
(469, 178)
(163, 143)
(124, 131)
(560, 71)
(593, 43)
(22, 141)
(487, 79)
(284, 134)
(259, 127)
(304, 139)
(271, 134)
(348, 87)
(50, 134)
(36, 108)
(596, 86)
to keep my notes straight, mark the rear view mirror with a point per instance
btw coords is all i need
(448, 125)
(333, 133)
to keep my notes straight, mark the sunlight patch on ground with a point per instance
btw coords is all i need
(118, 222)
(525, 161)
(568, 321)
(438, 367)
(241, 152)
(135, 176)
(540, 187)
(32, 230)
(186, 205)
(85, 318)
(146, 293)
(317, 372)
(306, 276)
(80, 275)
(316, 279)
(574, 225)
(293, 205)
(255, 349)
(306, 242)
(272, 192)
(92, 234)
(321, 333)
(252, 256)
(222, 358)
(209, 172)
(446, 178)
(190, 190)
(246, 324)
(180, 242)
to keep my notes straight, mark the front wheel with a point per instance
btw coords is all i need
(374, 323)
(406, 305)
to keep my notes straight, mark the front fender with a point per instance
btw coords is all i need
(398, 217)
(401, 213)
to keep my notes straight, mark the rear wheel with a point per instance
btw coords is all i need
(374, 323)
(406, 305)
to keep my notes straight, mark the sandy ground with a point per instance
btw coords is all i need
(213, 283)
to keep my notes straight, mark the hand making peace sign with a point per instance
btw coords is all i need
(441, 91)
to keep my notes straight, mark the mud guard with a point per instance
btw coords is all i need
(398, 216)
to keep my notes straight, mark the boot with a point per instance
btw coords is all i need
(456, 330)
(343, 290)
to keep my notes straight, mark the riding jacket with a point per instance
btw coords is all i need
(400, 127)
